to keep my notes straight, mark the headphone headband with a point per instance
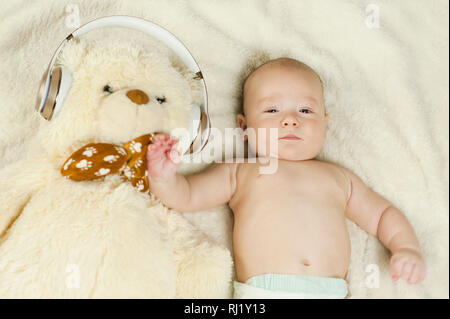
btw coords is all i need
(136, 24)
(139, 24)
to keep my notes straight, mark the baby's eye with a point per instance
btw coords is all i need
(305, 111)
(271, 111)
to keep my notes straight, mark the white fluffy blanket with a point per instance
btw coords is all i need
(386, 90)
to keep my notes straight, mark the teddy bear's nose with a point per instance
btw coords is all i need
(138, 97)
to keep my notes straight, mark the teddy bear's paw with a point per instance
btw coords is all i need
(199, 260)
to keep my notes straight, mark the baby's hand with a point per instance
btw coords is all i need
(409, 264)
(162, 156)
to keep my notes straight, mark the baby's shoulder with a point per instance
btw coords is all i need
(341, 170)
(331, 167)
(334, 173)
(236, 166)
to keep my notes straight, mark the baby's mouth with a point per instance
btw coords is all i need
(290, 137)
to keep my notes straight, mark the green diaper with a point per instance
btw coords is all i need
(290, 286)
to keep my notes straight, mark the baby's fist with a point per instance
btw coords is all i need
(408, 264)
(162, 156)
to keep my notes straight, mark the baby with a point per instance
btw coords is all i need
(290, 238)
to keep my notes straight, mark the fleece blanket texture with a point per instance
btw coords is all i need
(384, 65)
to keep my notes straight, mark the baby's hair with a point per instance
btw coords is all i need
(261, 58)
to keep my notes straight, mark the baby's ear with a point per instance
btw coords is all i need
(241, 121)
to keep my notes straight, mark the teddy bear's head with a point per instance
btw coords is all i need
(119, 91)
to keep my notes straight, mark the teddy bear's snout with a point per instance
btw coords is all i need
(138, 97)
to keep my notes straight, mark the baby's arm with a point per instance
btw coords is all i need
(379, 217)
(211, 188)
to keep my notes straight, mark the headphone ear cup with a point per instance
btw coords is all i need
(42, 94)
(50, 99)
(64, 89)
(186, 141)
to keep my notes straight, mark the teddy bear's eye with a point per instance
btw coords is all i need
(161, 100)
(108, 89)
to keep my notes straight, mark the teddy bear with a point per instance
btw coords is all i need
(105, 237)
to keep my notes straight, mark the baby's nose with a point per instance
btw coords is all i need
(138, 97)
(290, 122)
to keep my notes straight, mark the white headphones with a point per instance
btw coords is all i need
(57, 81)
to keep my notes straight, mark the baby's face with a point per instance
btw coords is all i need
(290, 100)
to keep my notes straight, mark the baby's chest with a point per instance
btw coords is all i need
(314, 185)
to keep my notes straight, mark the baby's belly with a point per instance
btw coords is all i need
(291, 238)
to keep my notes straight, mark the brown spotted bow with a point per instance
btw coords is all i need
(97, 160)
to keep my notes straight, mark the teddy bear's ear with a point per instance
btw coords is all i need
(190, 77)
(72, 54)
